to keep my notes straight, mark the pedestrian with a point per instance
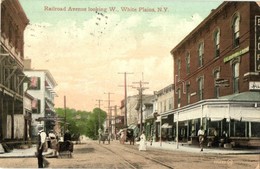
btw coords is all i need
(201, 134)
(53, 142)
(41, 147)
(122, 137)
(67, 136)
(142, 145)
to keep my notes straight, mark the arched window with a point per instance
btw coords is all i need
(216, 42)
(201, 54)
(235, 70)
(235, 28)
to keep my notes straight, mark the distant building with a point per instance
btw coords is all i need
(41, 87)
(217, 76)
(164, 109)
(13, 23)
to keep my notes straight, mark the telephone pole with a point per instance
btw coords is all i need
(125, 102)
(99, 122)
(65, 114)
(141, 89)
(109, 109)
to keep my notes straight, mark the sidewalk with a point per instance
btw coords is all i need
(193, 149)
(30, 152)
(22, 153)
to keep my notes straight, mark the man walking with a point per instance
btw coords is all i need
(201, 137)
(40, 148)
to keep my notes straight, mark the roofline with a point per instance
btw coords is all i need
(213, 13)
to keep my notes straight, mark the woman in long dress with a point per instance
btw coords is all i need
(142, 145)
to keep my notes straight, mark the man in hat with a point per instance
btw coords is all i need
(40, 147)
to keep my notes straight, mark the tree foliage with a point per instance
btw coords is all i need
(82, 122)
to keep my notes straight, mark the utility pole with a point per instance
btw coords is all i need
(125, 102)
(109, 109)
(141, 89)
(99, 122)
(65, 114)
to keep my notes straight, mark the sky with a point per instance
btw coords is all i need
(87, 45)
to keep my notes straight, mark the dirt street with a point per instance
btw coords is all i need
(115, 155)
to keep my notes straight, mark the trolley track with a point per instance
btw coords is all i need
(135, 152)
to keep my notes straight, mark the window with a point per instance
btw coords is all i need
(34, 83)
(179, 69)
(36, 106)
(216, 88)
(164, 106)
(235, 68)
(170, 103)
(179, 97)
(216, 43)
(200, 54)
(200, 87)
(235, 28)
(188, 93)
(188, 62)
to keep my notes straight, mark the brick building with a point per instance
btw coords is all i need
(217, 79)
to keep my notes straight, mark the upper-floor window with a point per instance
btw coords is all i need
(188, 62)
(34, 83)
(164, 106)
(235, 28)
(216, 88)
(179, 69)
(201, 54)
(200, 88)
(179, 97)
(235, 69)
(188, 93)
(170, 103)
(216, 42)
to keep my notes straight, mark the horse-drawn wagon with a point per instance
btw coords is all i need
(104, 136)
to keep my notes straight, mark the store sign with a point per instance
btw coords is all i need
(222, 82)
(257, 44)
(237, 54)
(254, 85)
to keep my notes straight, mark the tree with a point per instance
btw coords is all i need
(93, 123)
(83, 122)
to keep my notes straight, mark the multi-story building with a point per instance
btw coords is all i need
(41, 87)
(13, 23)
(163, 104)
(216, 76)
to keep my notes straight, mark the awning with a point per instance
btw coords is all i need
(166, 125)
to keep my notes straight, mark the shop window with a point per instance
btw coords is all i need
(255, 129)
